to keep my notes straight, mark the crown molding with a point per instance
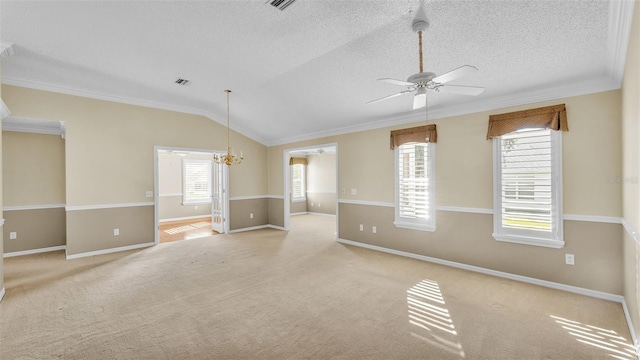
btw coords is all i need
(530, 96)
(618, 33)
(61, 89)
(36, 126)
(6, 49)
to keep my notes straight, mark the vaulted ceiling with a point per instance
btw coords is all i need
(307, 71)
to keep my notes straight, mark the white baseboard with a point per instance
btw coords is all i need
(34, 251)
(526, 279)
(298, 213)
(320, 214)
(109, 251)
(636, 346)
(276, 227)
(2, 292)
(184, 218)
(248, 229)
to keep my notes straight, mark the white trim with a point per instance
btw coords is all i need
(415, 226)
(465, 209)
(109, 251)
(322, 192)
(526, 279)
(33, 207)
(250, 197)
(364, 202)
(529, 240)
(593, 218)
(35, 251)
(2, 292)
(298, 213)
(281, 197)
(634, 234)
(107, 206)
(276, 227)
(170, 194)
(1, 222)
(185, 218)
(131, 101)
(249, 228)
(318, 214)
(619, 30)
(632, 331)
(35, 126)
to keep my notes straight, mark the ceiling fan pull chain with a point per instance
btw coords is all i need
(420, 43)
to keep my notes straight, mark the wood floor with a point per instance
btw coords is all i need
(185, 229)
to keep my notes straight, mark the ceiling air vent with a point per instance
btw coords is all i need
(280, 4)
(181, 81)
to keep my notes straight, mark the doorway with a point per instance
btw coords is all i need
(311, 182)
(190, 194)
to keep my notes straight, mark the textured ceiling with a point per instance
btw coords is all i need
(308, 71)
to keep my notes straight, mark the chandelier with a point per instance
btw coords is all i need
(230, 157)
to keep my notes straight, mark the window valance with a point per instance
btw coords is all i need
(298, 161)
(550, 117)
(420, 134)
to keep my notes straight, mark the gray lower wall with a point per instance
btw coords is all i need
(240, 211)
(276, 212)
(298, 207)
(466, 238)
(323, 203)
(92, 230)
(36, 229)
(171, 208)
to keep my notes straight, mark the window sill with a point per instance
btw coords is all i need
(527, 240)
(414, 226)
(299, 200)
(188, 203)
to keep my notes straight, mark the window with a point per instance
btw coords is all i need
(196, 181)
(528, 187)
(298, 183)
(415, 186)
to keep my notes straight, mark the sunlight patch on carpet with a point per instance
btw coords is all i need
(616, 346)
(427, 312)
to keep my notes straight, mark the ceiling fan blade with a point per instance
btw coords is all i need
(390, 96)
(460, 89)
(397, 82)
(463, 70)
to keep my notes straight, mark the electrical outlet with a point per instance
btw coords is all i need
(116, 232)
(149, 193)
(361, 227)
(344, 191)
(354, 191)
(251, 216)
(13, 235)
(569, 259)
(374, 229)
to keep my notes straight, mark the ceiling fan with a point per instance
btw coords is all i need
(421, 82)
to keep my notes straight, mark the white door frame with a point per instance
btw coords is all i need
(287, 185)
(156, 191)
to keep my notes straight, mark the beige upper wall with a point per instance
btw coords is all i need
(109, 146)
(321, 173)
(33, 169)
(464, 161)
(631, 126)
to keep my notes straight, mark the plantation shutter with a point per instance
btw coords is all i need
(526, 180)
(297, 181)
(197, 181)
(413, 181)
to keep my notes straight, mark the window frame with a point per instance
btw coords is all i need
(185, 199)
(555, 238)
(417, 224)
(303, 184)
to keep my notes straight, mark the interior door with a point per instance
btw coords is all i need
(217, 198)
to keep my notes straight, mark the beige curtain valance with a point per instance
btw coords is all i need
(419, 134)
(550, 117)
(298, 160)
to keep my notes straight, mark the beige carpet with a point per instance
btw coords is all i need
(269, 294)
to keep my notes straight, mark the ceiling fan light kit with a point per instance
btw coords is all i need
(421, 82)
